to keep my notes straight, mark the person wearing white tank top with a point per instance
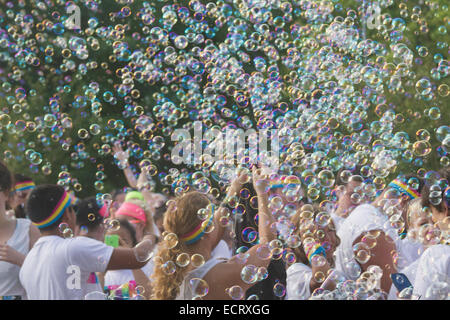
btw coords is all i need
(184, 265)
(17, 236)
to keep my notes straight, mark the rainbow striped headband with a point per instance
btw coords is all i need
(197, 233)
(403, 188)
(63, 203)
(24, 185)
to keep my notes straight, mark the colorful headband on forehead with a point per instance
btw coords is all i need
(62, 205)
(24, 185)
(198, 232)
(281, 183)
(404, 188)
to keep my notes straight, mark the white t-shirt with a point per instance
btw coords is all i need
(9, 273)
(298, 281)
(221, 251)
(363, 219)
(432, 280)
(408, 252)
(120, 277)
(59, 269)
(410, 272)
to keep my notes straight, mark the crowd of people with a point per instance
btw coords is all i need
(262, 239)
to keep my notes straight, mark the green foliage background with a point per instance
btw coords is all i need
(32, 145)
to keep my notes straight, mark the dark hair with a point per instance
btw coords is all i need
(276, 268)
(117, 192)
(127, 225)
(21, 178)
(6, 178)
(426, 199)
(42, 201)
(421, 181)
(88, 213)
(159, 212)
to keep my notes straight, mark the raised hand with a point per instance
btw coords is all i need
(260, 181)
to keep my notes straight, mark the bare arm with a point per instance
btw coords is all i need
(131, 258)
(121, 156)
(381, 255)
(142, 280)
(226, 275)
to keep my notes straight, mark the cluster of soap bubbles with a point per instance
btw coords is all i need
(339, 92)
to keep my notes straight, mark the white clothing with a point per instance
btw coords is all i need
(59, 269)
(409, 251)
(298, 281)
(410, 272)
(120, 277)
(221, 251)
(337, 220)
(9, 273)
(432, 280)
(187, 291)
(362, 219)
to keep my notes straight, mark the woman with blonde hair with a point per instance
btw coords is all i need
(184, 266)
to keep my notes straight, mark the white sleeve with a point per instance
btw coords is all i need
(298, 281)
(433, 273)
(89, 254)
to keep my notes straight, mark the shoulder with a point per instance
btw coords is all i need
(298, 268)
(83, 244)
(438, 251)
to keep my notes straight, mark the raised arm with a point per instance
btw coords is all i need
(122, 156)
(226, 275)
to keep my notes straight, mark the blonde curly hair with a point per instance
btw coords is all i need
(180, 218)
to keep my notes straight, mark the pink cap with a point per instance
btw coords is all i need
(104, 211)
(132, 210)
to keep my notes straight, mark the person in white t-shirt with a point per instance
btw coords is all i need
(432, 281)
(368, 236)
(90, 218)
(17, 237)
(58, 268)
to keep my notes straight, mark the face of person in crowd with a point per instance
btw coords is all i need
(19, 198)
(394, 202)
(441, 218)
(349, 196)
(421, 227)
(125, 238)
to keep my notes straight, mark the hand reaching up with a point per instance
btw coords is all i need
(260, 181)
